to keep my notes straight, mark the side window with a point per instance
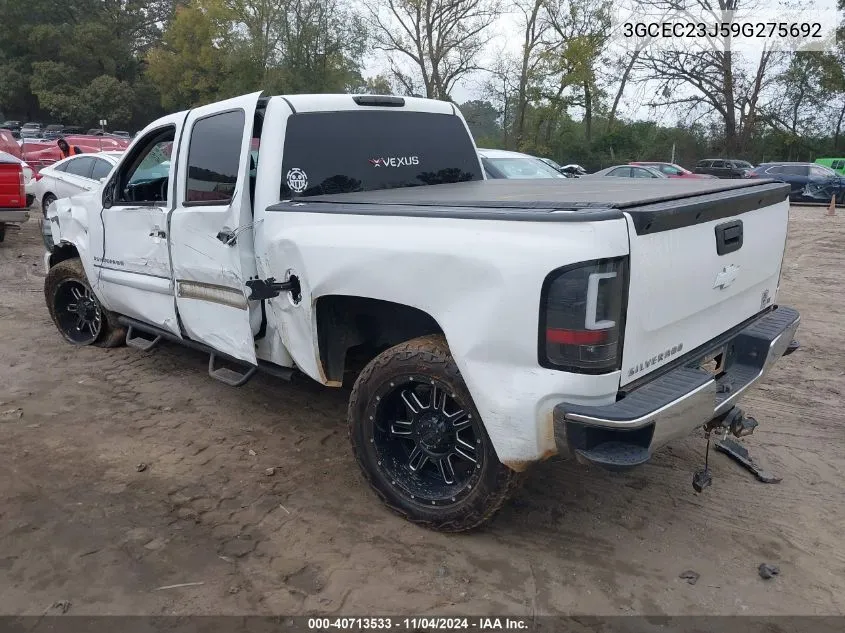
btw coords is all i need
(703, 163)
(777, 169)
(621, 172)
(81, 166)
(668, 169)
(144, 175)
(214, 157)
(838, 164)
(718, 164)
(61, 166)
(101, 168)
(818, 172)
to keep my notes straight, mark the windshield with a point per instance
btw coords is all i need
(522, 167)
(364, 150)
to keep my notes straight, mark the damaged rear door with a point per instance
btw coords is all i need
(211, 239)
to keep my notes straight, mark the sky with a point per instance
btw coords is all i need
(505, 36)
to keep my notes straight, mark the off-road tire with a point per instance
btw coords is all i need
(427, 356)
(112, 334)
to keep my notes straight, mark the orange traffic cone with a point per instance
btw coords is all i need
(831, 210)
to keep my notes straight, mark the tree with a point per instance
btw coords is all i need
(442, 40)
(190, 66)
(713, 78)
(483, 121)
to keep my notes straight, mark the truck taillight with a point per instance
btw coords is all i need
(582, 311)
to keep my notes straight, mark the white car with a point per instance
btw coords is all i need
(499, 163)
(73, 175)
(490, 323)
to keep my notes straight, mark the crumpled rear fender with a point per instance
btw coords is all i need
(480, 280)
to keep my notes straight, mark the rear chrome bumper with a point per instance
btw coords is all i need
(13, 216)
(626, 433)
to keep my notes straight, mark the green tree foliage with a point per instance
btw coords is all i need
(76, 61)
(190, 67)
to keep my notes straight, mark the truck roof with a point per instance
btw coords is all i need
(655, 204)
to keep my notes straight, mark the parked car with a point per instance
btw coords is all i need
(12, 193)
(670, 170)
(73, 175)
(499, 163)
(494, 322)
(72, 129)
(122, 133)
(40, 154)
(836, 164)
(808, 182)
(53, 131)
(629, 171)
(31, 130)
(8, 143)
(11, 125)
(723, 168)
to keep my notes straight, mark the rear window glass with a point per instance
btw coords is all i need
(795, 170)
(342, 152)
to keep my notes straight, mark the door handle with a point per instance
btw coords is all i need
(158, 233)
(728, 237)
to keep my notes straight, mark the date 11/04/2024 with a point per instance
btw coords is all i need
(418, 623)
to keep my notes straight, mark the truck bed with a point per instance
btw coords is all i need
(654, 204)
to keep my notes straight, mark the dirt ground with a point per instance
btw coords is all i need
(79, 522)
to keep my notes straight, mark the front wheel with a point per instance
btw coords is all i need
(420, 441)
(75, 309)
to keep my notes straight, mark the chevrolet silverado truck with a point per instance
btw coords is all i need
(13, 203)
(483, 325)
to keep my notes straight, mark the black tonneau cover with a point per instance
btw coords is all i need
(654, 204)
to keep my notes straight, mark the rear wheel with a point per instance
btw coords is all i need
(76, 311)
(420, 441)
(46, 201)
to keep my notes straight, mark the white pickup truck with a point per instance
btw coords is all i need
(486, 324)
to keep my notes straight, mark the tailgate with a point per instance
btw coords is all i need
(698, 267)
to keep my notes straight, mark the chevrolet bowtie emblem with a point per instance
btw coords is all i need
(726, 276)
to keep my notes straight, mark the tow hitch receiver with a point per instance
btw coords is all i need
(737, 423)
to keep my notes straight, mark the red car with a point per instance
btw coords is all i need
(42, 153)
(12, 193)
(671, 170)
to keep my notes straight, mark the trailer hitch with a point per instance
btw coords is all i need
(740, 425)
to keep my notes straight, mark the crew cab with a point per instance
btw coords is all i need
(484, 325)
(13, 201)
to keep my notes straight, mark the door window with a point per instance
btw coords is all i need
(636, 172)
(101, 169)
(620, 172)
(795, 170)
(214, 157)
(718, 164)
(144, 176)
(80, 166)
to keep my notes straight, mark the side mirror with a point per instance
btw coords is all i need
(108, 195)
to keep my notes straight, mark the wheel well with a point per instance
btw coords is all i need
(63, 252)
(351, 331)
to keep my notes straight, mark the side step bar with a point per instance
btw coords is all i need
(144, 337)
(139, 341)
